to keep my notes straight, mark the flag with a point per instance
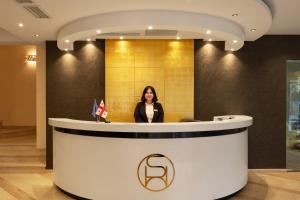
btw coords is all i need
(102, 112)
(95, 108)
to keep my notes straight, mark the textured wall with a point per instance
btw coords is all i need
(73, 80)
(167, 65)
(17, 85)
(251, 81)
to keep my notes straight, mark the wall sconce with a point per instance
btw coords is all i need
(31, 58)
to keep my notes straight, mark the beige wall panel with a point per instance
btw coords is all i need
(119, 89)
(17, 86)
(113, 74)
(167, 65)
(177, 116)
(149, 74)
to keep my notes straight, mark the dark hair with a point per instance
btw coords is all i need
(143, 99)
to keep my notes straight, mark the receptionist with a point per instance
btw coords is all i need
(149, 110)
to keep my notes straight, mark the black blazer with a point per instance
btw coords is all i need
(140, 113)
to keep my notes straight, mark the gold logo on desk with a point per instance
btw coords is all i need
(156, 172)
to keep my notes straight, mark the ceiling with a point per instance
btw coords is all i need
(251, 14)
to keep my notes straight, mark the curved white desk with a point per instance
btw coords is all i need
(190, 160)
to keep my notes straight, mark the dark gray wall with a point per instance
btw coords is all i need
(73, 80)
(251, 81)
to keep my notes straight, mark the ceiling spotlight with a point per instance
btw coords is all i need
(234, 41)
(209, 39)
(66, 49)
(67, 41)
(235, 15)
(36, 35)
(98, 31)
(21, 25)
(121, 37)
(208, 32)
(88, 39)
(231, 49)
(253, 29)
(150, 27)
(178, 37)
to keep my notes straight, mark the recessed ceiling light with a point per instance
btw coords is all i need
(208, 32)
(150, 27)
(98, 31)
(253, 29)
(178, 37)
(121, 37)
(67, 41)
(36, 35)
(234, 41)
(88, 39)
(21, 25)
(231, 49)
(235, 15)
(209, 39)
(66, 49)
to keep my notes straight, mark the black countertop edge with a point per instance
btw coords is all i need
(148, 135)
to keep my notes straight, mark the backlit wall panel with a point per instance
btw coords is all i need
(168, 65)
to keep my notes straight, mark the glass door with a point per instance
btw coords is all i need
(293, 116)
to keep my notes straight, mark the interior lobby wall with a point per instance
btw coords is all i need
(17, 85)
(167, 65)
(251, 81)
(73, 80)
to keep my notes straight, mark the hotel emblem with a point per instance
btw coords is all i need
(156, 172)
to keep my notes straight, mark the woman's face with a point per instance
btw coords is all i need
(149, 95)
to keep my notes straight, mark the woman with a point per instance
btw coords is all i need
(149, 110)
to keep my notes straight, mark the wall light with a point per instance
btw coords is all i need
(31, 58)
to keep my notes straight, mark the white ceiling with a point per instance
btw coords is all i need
(285, 15)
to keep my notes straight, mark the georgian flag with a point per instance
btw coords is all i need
(102, 112)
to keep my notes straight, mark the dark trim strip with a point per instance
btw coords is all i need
(147, 135)
(72, 195)
(81, 198)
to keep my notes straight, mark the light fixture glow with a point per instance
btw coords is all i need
(66, 49)
(208, 32)
(234, 41)
(178, 37)
(88, 39)
(150, 27)
(209, 39)
(67, 41)
(98, 31)
(231, 49)
(253, 29)
(21, 25)
(36, 35)
(31, 58)
(235, 15)
(121, 37)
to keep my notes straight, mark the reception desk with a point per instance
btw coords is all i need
(159, 161)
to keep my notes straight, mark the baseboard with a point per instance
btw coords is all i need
(268, 170)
